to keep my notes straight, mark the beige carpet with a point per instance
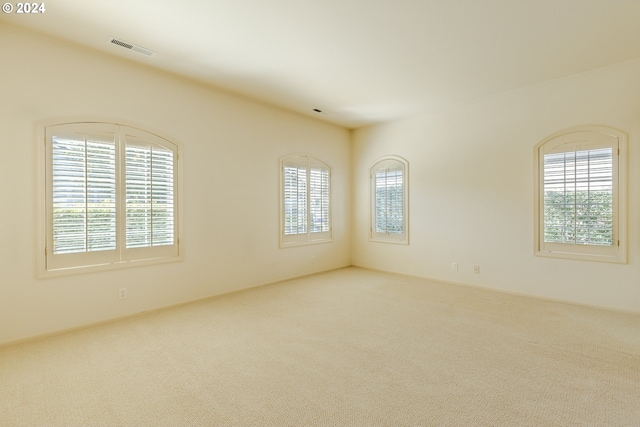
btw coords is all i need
(350, 347)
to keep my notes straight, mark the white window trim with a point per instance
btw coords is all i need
(615, 254)
(307, 238)
(399, 238)
(42, 204)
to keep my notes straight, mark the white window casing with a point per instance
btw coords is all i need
(580, 195)
(109, 198)
(389, 180)
(305, 201)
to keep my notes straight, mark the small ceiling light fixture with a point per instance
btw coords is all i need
(133, 47)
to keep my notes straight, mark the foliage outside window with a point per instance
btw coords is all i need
(389, 200)
(110, 197)
(580, 176)
(306, 200)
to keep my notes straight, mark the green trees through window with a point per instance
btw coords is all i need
(111, 195)
(389, 201)
(580, 195)
(389, 191)
(306, 204)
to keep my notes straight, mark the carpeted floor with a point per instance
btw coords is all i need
(350, 347)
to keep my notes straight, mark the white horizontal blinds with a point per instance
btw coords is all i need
(579, 200)
(138, 196)
(81, 194)
(578, 197)
(110, 195)
(163, 196)
(149, 190)
(319, 197)
(84, 203)
(295, 196)
(149, 196)
(389, 200)
(306, 200)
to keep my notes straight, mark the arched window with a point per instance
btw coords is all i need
(306, 201)
(389, 200)
(580, 195)
(110, 197)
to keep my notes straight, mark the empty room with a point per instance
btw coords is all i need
(304, 213)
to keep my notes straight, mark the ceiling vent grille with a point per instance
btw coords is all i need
(133, 47)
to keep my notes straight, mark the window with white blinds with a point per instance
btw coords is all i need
(306, 204)
(580, 205)
(110, 196)
(389, 200)
(149, 195)
(83, 192)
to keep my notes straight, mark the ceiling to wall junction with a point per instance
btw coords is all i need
(358, 61)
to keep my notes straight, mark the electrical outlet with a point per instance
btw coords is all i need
(454, 266)
(313, 259)
(122, 293)
(476, 269)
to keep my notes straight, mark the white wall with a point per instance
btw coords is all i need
(471, 189)
(231, 148)
(471, 176)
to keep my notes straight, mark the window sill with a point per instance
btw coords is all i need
(305, 243)
(618, 259)
(61, 272)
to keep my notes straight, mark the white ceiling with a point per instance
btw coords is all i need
(360, 61)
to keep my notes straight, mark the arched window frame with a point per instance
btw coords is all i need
(129, 159)
(582, 146)
(305, 201)
(389, 218)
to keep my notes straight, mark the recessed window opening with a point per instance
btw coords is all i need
(306, 200)
(110, 197)
(389, 200)
(580, 198)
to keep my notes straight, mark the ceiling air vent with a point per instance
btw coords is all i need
(133, 47)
